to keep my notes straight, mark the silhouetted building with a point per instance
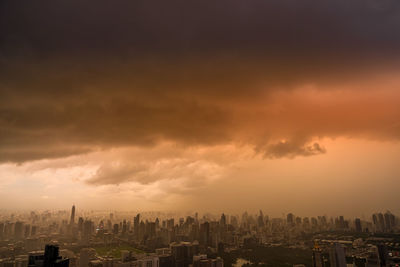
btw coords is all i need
(290, 219)
(357, 223)
(382, 254)
(317, 257)
(72, 220)
(50, 258)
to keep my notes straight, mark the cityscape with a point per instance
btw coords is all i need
(199, 133)
(154, 239)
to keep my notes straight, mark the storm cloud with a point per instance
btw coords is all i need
(84, 76)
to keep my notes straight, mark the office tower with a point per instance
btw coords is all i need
(27, 231)
(323, 220)
(18, 230)
(375, 221)
(87, 230)
(342, 224)
(166, 260)
(142, 230)
(136, 223)
(382, 255)
(80, 224)
(50, 258)
(389, 221)
(150, 229)
(50, 254)
(260, 219)
(337, 256)
(222, 221)
(357, 223)
(116, 229)
(170, 223)
(290, 219)
(72, 221)
(314, 222)
(381, 222)
(317, 256)
(205, 234)
(183, 253)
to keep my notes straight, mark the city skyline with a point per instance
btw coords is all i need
(101, 239)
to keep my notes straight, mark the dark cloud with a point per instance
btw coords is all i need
(79, 76)
(179, 26)
(292, 149)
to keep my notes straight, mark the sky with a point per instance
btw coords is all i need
(210, 106)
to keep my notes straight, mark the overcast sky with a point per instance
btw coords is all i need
(227, 105)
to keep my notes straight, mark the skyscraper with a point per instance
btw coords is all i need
(18, 230)
(290, 219)
(357, 223)
(50, 258)
(337, 256)
(382, 254)
(72, 221)
(316, 256)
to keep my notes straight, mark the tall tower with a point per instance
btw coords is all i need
(337, 256)
(316, 256)
(72, 215)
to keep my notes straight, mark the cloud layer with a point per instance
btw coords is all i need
(84, 76)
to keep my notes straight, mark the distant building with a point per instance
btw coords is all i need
(357, 224)
(290, 219)
(72, 220)
(18, 230)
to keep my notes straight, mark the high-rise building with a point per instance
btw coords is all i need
(72, 221)
(317, 256)
(337, 256)
(136, 226)
(223, 220)
(357, 223)
(382, 255)
(50, 258)
(290, 219)
(381, 222)
(183, 253)
(87, 230)
(260, 219)
(18, 230)
(116, 229)
(205, 234)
